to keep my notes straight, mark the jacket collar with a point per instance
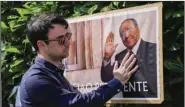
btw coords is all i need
(46, 64)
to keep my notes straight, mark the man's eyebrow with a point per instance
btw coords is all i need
(60, 36)
(63, 35)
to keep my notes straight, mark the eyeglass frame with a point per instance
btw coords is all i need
(61, 39)
(128, 30)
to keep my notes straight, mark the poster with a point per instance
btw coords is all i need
(138, 29)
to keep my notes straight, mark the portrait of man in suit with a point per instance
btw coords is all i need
(142, 84)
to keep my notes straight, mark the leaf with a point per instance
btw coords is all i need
(12, 23)
(105, 9)
(18, 75)
(23, 12)
(124, 4)
(84, 9)
(36, 10)
(53, 8)
(168, 14)
(108, 8)
(26, 5)
(12, 50)
(16, 63)
(76, 8)
(49, 3)
(116, 3)
(25, 40)
(76, 14)
(92, 9)
(12, 17)
(111, 6)
(178, 13)
(174, 66)
(22, 19)
(181, 30)
(13, 92)
(18, 25)
(3, 25)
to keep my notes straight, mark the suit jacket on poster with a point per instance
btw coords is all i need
(143, 83)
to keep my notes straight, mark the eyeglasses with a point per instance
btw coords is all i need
(61, 39)
(128, 30)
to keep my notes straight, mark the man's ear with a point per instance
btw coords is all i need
(41, 44)
(138, 31)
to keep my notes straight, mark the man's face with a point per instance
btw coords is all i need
(58, 50)
(129, 34)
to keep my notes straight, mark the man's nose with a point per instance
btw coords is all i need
(126, 34)
(68, 42)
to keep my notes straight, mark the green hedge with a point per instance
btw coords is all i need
(17, 55)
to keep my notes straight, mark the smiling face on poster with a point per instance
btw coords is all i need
(99, 40)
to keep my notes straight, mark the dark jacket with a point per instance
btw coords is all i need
(44, 85)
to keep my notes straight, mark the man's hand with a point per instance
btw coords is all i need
(124, 72)
(109, 47)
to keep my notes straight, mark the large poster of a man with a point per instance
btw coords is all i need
(144, 82)
(100, 40)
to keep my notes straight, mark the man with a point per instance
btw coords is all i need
(44, 85)
(143, 83)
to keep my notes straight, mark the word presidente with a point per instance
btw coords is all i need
(136, 86)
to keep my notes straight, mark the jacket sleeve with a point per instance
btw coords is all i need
(44, 91)
(106, 72)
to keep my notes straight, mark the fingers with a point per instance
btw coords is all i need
(126, 67)
(124, 59)
(115, 66)
(124, 72)
(131, 64)
(133, 70)
(110, 37)
(128, 62)
(114, 48)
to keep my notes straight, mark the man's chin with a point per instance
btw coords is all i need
(65, 56)
(129, 46)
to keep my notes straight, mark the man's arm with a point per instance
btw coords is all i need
(47, 92)
(42, 90)
(106, 71)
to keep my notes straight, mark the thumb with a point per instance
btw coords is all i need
(115, 46)
(115, 66)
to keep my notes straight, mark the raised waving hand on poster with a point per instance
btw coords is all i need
(110, 47)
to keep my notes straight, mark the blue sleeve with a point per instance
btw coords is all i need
(46, 92)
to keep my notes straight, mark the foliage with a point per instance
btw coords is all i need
(17, 53)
